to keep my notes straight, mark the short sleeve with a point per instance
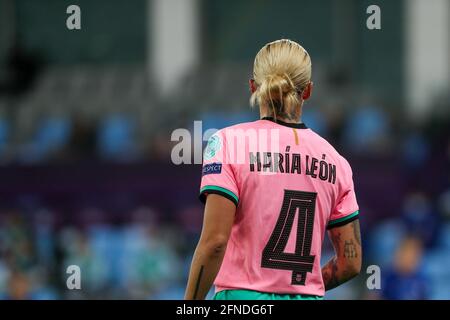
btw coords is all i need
(217, 172)
(346, 208)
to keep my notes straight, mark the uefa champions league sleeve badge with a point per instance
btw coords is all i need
(212, 148)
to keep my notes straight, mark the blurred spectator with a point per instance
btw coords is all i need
(82, 140)
(22, 69)
(420, 218)
(18, 287)
(404, 279)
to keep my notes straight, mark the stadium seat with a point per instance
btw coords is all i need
(365, 127)
(445, 236)
(4, 135)
(116, 138)
(415, 150)
(435, 266)
(52, 134)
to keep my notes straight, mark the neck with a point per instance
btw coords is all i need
(294, 117)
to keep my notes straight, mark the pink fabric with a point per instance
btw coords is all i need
(260, 197)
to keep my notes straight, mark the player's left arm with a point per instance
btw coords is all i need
(218, 220)
(346, 264)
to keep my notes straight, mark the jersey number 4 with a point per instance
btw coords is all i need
(300, 262)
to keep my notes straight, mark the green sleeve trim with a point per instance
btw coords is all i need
(218, 190)
(341, 221)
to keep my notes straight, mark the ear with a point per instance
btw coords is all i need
(308, 91)
(252, 85)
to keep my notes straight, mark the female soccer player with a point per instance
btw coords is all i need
(272, 188)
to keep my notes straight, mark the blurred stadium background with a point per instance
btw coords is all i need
(86, 118)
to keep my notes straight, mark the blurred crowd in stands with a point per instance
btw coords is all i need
(81, 118)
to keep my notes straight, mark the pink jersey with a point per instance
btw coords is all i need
(289, 186)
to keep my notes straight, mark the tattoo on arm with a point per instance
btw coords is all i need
(350, 249)
(329, 274)
(330, 270)
(341, 268)
(197, 285)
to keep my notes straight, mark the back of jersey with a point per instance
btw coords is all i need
(289, 186)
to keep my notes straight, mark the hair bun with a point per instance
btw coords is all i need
(276, 87)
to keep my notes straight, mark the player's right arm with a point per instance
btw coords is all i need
(346, 264)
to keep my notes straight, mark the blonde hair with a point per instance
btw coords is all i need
(281, 71)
